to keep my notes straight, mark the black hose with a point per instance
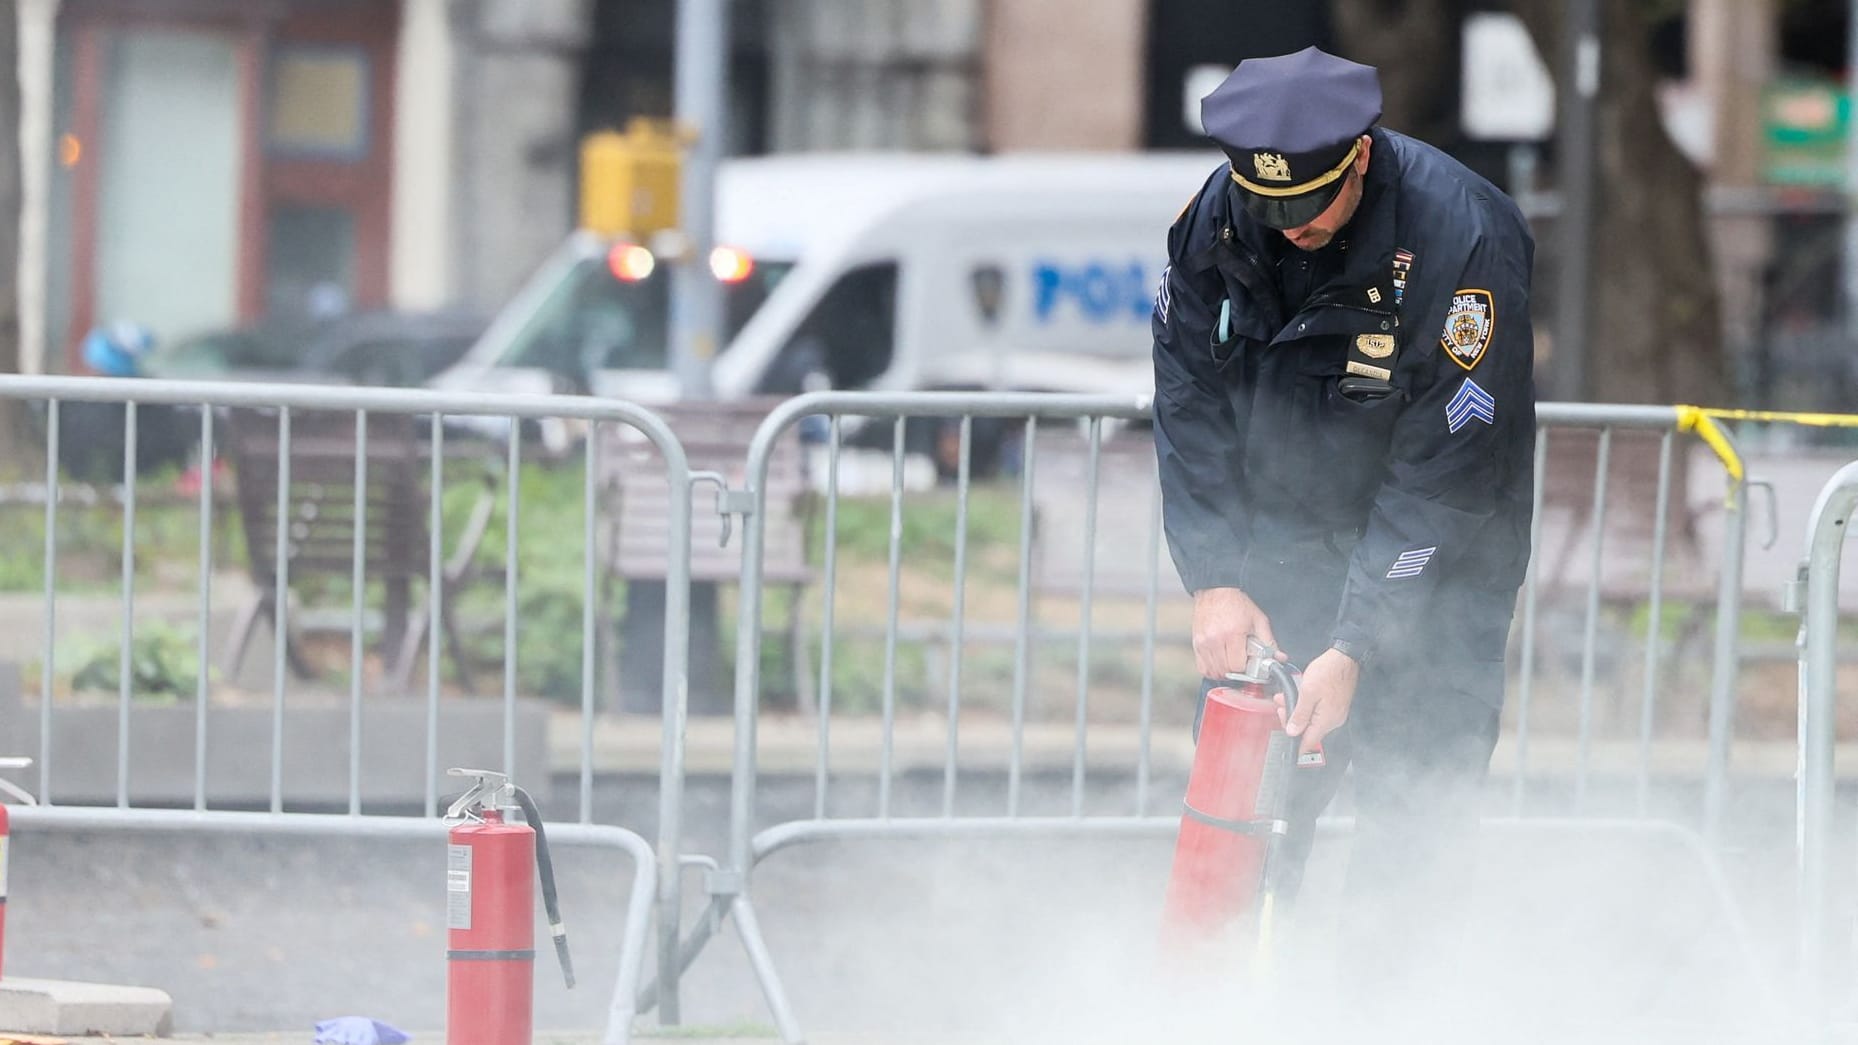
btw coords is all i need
(1284, 755)
(546, 867)
(1286, 684)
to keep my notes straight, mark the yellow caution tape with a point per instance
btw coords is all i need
(1816, 420)
(1703, 421)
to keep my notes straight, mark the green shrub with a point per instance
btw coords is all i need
(550, 579)
(164, 663)
(928, 532)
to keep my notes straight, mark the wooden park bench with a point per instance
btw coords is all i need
(321, 531)
(1563, 557)
(715, 437)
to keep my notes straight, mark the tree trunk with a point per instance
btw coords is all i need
(15, 433)
(1418, 60)
(1656, 336)
(10, 188)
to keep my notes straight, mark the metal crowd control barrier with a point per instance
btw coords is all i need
(1084, 427)
(728, 883)
(1725, 664)
(1816, 591)
(652, 877)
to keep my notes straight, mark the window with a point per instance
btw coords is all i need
(319, 101)
(168, 167)
(311, 260)
(847, 340)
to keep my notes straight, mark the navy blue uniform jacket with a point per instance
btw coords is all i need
(1360, 459)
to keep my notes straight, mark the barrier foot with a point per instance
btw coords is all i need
(753, 945)
(687, 952)
(749, 928)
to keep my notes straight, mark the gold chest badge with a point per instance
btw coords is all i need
(1375, 346)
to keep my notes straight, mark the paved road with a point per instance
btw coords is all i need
(1041, 941)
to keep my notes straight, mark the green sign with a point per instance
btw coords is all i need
(1803, 125)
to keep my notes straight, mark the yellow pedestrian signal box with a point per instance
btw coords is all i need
(629, 181)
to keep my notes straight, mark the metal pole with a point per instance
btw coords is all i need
(1580, 86)
(674, 704)
(1818, 703)
(38, 20)
(1597, 527)
(125, 668)
(51, 601)
(1725, 662)
(696, 297)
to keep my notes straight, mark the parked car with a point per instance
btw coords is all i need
(393, 349)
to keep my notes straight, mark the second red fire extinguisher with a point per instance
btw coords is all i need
(491, 869)
(1234, 821)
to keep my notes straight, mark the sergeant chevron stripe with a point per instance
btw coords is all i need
(1471, 403)
(1411, 563)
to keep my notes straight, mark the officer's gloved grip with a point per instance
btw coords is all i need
(356, 1030)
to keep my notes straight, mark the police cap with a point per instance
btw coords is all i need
(1291, 125)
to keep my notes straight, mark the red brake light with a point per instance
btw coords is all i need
(630, 262)
(731, 265)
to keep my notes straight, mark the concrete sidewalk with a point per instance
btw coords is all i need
(735, 1034)
(696, 1035)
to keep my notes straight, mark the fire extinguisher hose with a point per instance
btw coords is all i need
(1284, 755)
(1286, 684)
(545, 866)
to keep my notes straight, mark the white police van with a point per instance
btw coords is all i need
(879, 271)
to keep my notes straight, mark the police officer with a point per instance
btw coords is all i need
(1345, 421)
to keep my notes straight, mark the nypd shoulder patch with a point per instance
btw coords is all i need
(1470, 403)
(1164, 299)
(1469, 324)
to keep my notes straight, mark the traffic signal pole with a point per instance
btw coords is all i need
(702, 86)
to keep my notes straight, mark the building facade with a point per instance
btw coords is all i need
(216, 161)
(201, 164)
(198, 164)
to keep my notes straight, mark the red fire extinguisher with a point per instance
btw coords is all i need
(1234, 816)
(491, 870)
(7, 788)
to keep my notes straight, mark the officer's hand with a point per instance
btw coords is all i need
(1223, 618)
(1323, 698)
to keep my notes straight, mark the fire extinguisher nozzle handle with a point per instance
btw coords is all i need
(489, 792)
